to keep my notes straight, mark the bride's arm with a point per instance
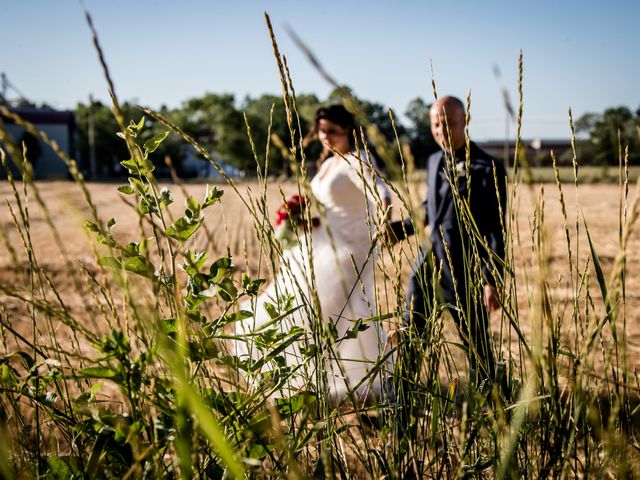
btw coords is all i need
(364, 174)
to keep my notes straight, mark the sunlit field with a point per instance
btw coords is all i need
(32, 316)
(119, 301)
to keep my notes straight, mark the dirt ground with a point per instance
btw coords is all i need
(232, 232)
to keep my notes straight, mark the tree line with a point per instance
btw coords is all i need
(221, 124)
(606, 135)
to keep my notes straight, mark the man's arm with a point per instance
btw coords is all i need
(491, 297)
(489, 207)
(401, 229)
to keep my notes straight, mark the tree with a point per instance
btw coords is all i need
(585, 123)
(258, 112)
(421, 140)
(215, 122)
(605, 147)
(110, 149)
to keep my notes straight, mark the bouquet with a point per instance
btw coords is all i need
(290, 219)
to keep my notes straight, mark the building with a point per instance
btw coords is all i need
(58, 125)
(537, 150)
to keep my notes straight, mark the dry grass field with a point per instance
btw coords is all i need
(231, 231)
(55, 213)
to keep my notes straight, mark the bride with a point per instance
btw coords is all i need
(329, 273)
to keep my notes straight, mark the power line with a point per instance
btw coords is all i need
(6, 84)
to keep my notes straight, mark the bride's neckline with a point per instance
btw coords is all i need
(327, 165)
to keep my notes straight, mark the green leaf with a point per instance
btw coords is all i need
(332, 331)
(126, 189)
(292, 405)
(164, 198)
(357, 328)
(212, 196)
(96, 388)
(599, 274)
(64, 467)
(271, 310)
(220, 268)
(152, 145)
(208, 424)
(193, 301)
(195, 260)
(140, 265)
(134, 129)
(566, 351)
(193, 204)
(283, 346)
(143, 246)
(148, 166)
(7, 374)
(228, 290)
(138, 185)
(131, 165)
(169, 325)
(596, 331)
(183, 228)
(112, 262)
(130, 249)
(309, 351)
(251, 287)
(98, 372)
(257, 451)
(239, 315)
(106, 240)
(92, 227)
(144, 207)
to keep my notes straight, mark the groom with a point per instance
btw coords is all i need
(467, 245)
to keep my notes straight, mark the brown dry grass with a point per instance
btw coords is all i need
(233, 233)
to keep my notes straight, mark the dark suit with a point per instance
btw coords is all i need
(461, 221)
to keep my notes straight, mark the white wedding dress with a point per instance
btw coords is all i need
(343, 269)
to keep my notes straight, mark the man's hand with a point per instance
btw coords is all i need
(386, 233)
(491, 298)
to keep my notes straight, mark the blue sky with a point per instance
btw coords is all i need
(582, 54)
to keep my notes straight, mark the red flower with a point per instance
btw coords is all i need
(293, 209)
(282, 216)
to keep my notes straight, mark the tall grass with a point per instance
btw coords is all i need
(141, 382)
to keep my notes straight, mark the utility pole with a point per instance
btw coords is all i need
(509, 115)
(506, 141)
(5, 85)
(92, 141)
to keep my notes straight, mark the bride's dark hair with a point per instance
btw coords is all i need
(335, 114)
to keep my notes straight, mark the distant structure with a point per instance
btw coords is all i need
(535, 149)
(58, 125)
(195, 166)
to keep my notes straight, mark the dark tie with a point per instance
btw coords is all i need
(442, 184)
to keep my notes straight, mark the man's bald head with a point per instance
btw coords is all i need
(447, 123)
